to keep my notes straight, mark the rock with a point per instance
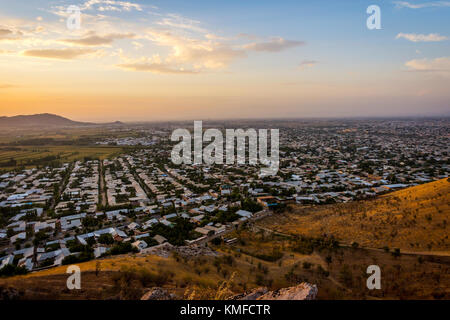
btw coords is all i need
(195, 250)
(165, 249)
(303, 291)
(162, 250)
(158, 294)
(251, 295)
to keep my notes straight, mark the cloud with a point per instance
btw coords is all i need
(102, 6)
(137, 45)
(5, 32)
(405, 4)
(111, 5)
(307, 64)
(63, 54)
(188, 47)
(200, 53)
(275, 45)
(95, 40)
(39, 29)
(9, 34)
(429, 65)
(414, 37)
(152, 64)
(159, 68)
(177, 21)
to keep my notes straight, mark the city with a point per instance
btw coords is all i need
(83, 210)
(216, 159)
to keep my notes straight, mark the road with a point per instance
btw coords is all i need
(102, 184)
(61, 187)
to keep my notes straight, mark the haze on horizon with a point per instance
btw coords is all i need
(169, 60)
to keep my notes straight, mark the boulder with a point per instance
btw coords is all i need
(158, 294)
(303, 291)
(251, 295)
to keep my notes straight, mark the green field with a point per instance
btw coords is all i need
(53, 146)
(30, 156)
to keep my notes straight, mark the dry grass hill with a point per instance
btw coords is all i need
(414, 219)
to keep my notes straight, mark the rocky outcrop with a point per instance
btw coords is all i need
(165, 250)
(303, 291)
(195, 250)
(158, 294)
(251, 295)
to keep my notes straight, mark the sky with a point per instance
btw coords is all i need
(198, 60)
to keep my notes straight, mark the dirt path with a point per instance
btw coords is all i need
(347, 245)
(61, 187)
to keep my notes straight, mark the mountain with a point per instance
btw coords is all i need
(43, 120)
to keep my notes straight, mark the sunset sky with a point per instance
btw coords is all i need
(172, 59)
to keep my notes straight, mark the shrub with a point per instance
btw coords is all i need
(10, 270)
(106, 238)
(122, 248)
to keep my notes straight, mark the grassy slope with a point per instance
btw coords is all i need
(129, 277)
(404, 277)
(414, 219)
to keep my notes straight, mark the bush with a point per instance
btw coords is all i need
(274, 256)
(78, 247)
(303, 247)
(10, 270)
(145, 277)
(82, 257)
(122, 248)
(321, 271)
(106, 238)
(396, 253)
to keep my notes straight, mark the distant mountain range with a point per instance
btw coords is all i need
(44, 120)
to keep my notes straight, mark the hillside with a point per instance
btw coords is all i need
(44, 119)
(414, 219)
(257, 260)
